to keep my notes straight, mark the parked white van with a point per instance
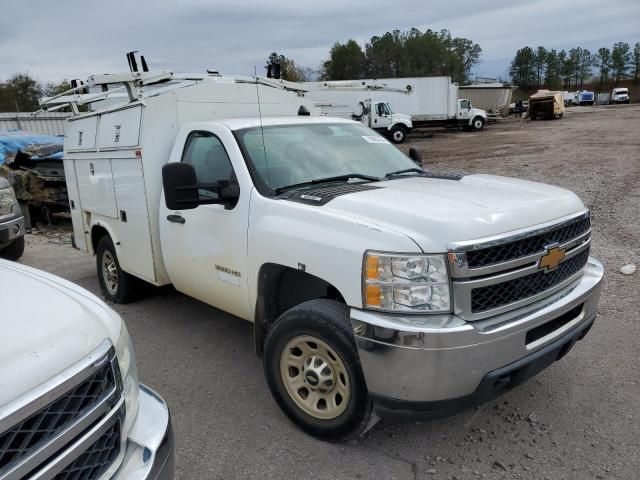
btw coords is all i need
(619, 95)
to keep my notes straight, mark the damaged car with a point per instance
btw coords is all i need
(11, 223)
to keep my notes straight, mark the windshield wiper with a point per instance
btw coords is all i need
(406, 170)
(337, 178)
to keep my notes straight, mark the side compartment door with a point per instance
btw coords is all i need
(205, 248)
(74, 204)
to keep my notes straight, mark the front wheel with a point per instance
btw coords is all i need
(14, 251)
(477, 123)
(398, 134)
(313, 370)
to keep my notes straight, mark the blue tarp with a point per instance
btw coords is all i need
(14, 140)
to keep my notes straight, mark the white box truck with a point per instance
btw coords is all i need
(432, 101)
(353, 100)
(374, 287)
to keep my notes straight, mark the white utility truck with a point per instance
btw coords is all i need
(432, 101)
(347, 100)
(373, 285)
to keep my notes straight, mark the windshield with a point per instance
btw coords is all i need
(622, 92)
(383, 109)
(303, 153)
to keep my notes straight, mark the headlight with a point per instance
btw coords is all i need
(408, 283)
(128, 371)
(7, 199)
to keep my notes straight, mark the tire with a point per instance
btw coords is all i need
(14, 251)
(477, 123)
(324, 324)
(117, 285)
(398, 134)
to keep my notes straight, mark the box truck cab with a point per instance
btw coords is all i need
(374, 287)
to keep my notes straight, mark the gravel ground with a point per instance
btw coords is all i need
(579, 419)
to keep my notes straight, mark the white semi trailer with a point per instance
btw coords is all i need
(432, 101)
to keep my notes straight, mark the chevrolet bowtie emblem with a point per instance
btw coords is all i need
(552, 258)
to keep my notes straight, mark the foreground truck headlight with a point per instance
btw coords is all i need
(7, 199)
(129, 373)
(407, 283)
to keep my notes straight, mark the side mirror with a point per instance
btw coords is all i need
(180, 186)
(414, 155)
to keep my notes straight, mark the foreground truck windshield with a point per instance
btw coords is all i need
(292, 154)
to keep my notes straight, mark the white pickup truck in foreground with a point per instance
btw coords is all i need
(71, 406)
(372, 284)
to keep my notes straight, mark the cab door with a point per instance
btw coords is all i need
(205, 248)
(381, 115)
(464, 109)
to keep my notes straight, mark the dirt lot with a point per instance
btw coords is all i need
(579, 419)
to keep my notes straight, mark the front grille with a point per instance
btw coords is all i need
(41, 427)
(528, 246)
(501, 294)
(95, 460)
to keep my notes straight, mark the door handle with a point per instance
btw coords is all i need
(175, 218)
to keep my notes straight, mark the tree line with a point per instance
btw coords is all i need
(21, 92)
(410, 53)
(567, 70)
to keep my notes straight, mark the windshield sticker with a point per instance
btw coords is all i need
(374, 139)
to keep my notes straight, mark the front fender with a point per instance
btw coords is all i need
(325, 244)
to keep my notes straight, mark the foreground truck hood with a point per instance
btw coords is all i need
(47, 325)
(434, 212)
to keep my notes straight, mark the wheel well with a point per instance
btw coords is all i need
(281, 288)
(97, 232)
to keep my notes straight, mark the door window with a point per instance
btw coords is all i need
(464, 104)
(209, 158)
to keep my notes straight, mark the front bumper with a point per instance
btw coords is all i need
(10, 229)
(149, 452)
(439, 364)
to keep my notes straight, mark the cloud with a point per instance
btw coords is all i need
(73, 39)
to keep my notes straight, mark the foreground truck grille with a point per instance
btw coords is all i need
(494, 275)
(493, 296)
(96, 460)
(53, 419)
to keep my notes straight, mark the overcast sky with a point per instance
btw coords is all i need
(56, 39)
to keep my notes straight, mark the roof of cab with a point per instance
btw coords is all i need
(250, 122)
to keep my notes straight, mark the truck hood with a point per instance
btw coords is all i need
(434, 212)
(475, 112)
(401, 118)
(47, 325)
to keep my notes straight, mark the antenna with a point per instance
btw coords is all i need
(264, 147)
